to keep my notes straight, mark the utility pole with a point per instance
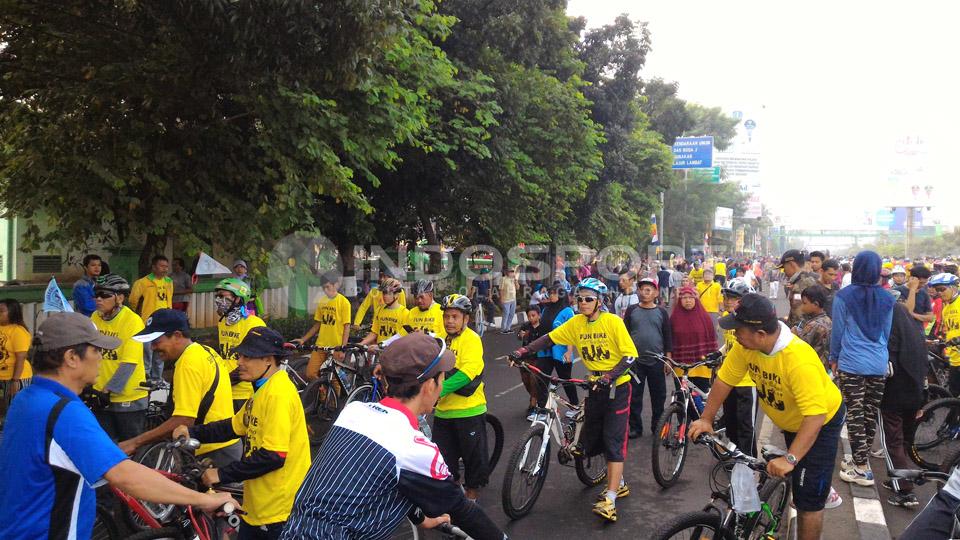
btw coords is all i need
(661, 232)
(908, 241)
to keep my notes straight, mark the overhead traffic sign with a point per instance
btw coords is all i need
(710, 176)
(693, 153)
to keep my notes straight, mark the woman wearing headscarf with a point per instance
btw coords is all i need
(862, 316)
(555, 312)
(693, 336)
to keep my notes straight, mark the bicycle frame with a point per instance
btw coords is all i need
(137, 507)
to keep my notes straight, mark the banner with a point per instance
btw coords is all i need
(723, 219)
(54, 300)
(654, 235)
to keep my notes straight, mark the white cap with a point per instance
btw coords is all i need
(898, 270)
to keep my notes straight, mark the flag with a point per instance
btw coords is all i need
(208, 266)
(54, 300)
(654, 235)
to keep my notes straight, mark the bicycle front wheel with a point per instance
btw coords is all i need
(494, 440)
(405, 531)
(693, 526)
(591, 470)
(481, 322)
(363, 394)
(526, 472)
(162, 458)
(937, 432)
(775, 494)
(669, 445)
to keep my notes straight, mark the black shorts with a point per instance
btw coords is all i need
(606, 422)
(811, 478)
(466, 439)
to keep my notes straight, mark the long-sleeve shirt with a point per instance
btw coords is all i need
(853, 351)
(83, 296)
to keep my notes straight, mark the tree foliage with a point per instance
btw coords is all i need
(689, 210)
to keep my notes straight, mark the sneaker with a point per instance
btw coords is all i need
(571, 414)
(605, 509)
(531, 414)
(878, 453)
(833, 500)
(621, 493)
(887, 484)
(856, 476)
(906, 500)
(847, 464)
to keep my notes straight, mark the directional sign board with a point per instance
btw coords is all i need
(693, 153)
(710, 176)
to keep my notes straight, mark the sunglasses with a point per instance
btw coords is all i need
(940, 289)
(443, 349)
(104, 294)
(587, 299)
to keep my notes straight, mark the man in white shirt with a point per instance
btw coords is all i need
(628, 282)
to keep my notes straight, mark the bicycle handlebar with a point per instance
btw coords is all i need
(711, 360)
(582, 383)
(919, 477)
(729, 451)
(339, 348)
(449, 528)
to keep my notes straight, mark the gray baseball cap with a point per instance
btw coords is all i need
(68, 329)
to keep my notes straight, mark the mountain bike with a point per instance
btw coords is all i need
(158, 410)
(324, 397)
(530, 458)
(722, 521)
(938, 433)
(670, 435)
(922, 477)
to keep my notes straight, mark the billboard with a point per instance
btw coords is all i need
(723, 219)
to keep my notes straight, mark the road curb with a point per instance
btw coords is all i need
(866, 502)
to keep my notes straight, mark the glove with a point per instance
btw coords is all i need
(603, 382)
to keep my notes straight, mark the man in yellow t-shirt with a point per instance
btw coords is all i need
(946, 286)
(740, 407)
(331, 326)
(459, 424)
(201, 385)
(608, 352)
(374, 299)
(232, 296)
(795, 393)
(426, 315)
(696, 273)
(277, 455)
(121, 370)
(720, 272)
(152, 292)
(388, 321)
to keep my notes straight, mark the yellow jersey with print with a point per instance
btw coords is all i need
(151, 293)
(720, 269)
(193, 376)
(374, 300)
(951, 329)
(791, 383)
(468, 350)
(711, 296)
(389, 322)
(229, 337)
(601, 343)
(430, 320)
(273, 420)
(696, 275)
(14, 339)
(123, 327)
(729, 340)
(332, 314)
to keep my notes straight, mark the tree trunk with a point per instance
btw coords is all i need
(433, 239)
(154, 245)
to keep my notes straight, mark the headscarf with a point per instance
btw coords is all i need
(693, 334)
(550, 310)
(869, 303)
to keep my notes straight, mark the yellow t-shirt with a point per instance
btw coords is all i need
(332, 314)
(729, 340)
(122, 327)
(193, 375)
(151, 293)
(601, 343)
(228, 339)
(720, 269)
(388, 322)
(696, 275)
(468, 350)
(375, 300)
(711, 296)
(791, 384)
(951, 327)
(430, 320)
(14, 339)
(273, 420)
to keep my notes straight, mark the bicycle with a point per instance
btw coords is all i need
(158, 411)
(322, 398)
(530, 458)
(670, 434)
(920, 477)
(479, 319)
(937, 428)
(715, 522)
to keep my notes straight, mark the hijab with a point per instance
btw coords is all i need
(550, 310)
(865, 299)
(693, 334)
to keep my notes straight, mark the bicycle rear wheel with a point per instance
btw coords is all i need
(526, 472)
(693, 526)
(669, 445)
(104, 526)
(363, 394)
(162, 458)
(591, 470)
(405, 531)
(937, 433)
(494, 440)
(481, 322)
(934, 392)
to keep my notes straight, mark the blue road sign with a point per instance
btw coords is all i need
(693, 153)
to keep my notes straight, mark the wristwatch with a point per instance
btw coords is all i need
(791, 459)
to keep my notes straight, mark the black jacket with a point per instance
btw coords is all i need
(908, 354)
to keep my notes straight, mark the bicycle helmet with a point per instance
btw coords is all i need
(738, 287)
(457, 301)
(949, 280)
(593, 284)
(113, 283)
(391, 286)
(422, 286)
(237, 287)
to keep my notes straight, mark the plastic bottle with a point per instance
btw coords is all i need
(343, 378)
(698, 401)
(743, 484)
(425, 426)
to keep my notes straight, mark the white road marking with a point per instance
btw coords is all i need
(508, 390)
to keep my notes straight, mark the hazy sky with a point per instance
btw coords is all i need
(833, 86)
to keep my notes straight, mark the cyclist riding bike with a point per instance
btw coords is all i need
(608, 352)
(388, 318)
(374, 299)
(946, 286)
(277, 454)
(426, 315)
(740, 407)
(232, 296)
(375, 468)
(331, 326)
(459, 424)
(121, 370)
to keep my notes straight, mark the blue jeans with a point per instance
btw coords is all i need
(509, 309)
(152, 364)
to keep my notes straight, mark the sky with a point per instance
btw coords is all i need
(833, 86)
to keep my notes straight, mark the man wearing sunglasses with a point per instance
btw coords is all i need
(426, 316)
(608, 352)
(375, 468)
(946, 286)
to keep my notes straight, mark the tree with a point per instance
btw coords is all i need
(711, 121)
(207, 121)
(673, 117)
(689, 209)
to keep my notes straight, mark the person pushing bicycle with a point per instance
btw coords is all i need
(608, 353)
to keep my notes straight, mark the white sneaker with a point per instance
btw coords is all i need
(847, 464)
(878, 453)
(833, 500)
(571, 414)
(856, 476)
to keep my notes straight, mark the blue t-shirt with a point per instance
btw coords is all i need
(40, 480)
(482, 286)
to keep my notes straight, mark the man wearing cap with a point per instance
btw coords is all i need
(375, 468)
(277, 454)
(650, 330)
(54, 451)
(797, 280)
(201, 385)
(795, 392)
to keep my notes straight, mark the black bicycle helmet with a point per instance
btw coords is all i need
(113, 283)
(422, 286)
(457, 301)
